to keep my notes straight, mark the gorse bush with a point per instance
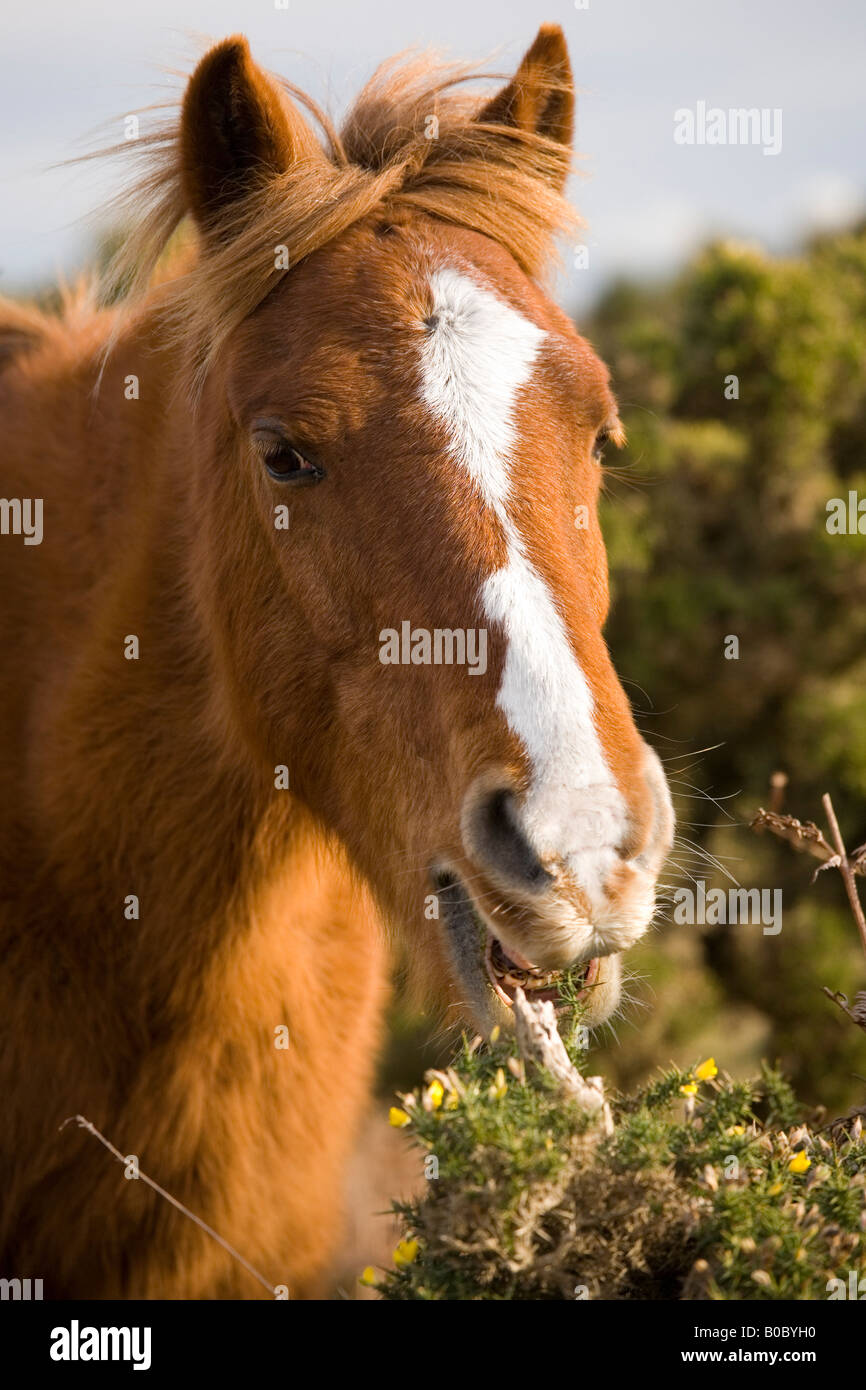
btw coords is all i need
(697, 1187)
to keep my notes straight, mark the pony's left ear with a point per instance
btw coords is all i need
(540, 96)
(237, 131)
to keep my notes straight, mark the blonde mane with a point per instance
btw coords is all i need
(411, 143)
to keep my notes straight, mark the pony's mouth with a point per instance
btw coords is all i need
(490, 973)
(507, 974)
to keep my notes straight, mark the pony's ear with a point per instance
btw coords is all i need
(540, 96)
(237, 131)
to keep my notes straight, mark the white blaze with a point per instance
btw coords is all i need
(477, 355)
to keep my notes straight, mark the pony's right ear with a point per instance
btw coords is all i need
(540, 97)
(237, 131)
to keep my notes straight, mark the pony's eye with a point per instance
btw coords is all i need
(598, 447)
(283, 461)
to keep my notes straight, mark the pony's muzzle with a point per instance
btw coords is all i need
(589, 892)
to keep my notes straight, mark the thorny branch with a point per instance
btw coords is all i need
(806, 836)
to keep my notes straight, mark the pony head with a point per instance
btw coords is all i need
(394, 461)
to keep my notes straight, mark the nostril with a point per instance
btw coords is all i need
(500, 843)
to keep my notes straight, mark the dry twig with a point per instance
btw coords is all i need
(539, 1041)
(209, 1230)
(847, 868)
(806, 836)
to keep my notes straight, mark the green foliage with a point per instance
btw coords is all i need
(692, 1195)
(729, 533)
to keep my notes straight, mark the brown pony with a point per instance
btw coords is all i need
(303, 636)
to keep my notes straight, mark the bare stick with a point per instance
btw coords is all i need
(539, 1041)
(846, 869)
(91, 1129)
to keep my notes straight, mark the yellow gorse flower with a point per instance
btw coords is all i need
(690, 1089)
(499, 1085)
(435, 1094)
(405, 1253)
(800, 1163)
(398, 1118)
(707, 1070)
(368, 1277)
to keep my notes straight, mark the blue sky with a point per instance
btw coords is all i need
(68, 69)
